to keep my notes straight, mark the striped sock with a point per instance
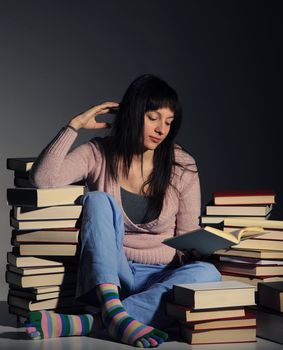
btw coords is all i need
(121, 326)
(48, 324)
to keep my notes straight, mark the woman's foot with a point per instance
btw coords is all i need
(121, 326)
(48, 324)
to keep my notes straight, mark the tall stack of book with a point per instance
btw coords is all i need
(42, 265)
(252, 204)
(214, 312)
(256, 259)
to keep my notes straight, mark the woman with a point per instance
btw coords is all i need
(143, 188)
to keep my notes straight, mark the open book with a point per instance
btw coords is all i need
(209, 239)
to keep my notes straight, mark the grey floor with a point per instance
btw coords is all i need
(12, 338)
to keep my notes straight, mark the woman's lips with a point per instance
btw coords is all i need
(155, 139)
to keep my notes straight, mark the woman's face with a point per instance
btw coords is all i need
(156, 126)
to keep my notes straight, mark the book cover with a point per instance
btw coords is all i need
(252, 261)
(58, 212)
(239, 197)
(20, 164)
(40, 280)
(30, 261)
(248, 320)
(270, 295)
(44, 197)
(40, 296)
(252, 280)
(249, 269)
(43, 224)
(244, 222)
(214, 294)
(213, 219)
(213, 336)
(42, 304)
(46, 249)
(259, 254)
(209, 239)
(259, 244)
(46, 236)
(188, 314)
(29, 271)
(238, 210)
(45, 290)
(269, 324)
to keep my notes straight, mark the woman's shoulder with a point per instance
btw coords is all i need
(183, 158)
(185, 169)
(100, 143)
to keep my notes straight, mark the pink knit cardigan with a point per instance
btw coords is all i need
(58, 166)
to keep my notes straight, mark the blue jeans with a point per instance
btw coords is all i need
(144, 288)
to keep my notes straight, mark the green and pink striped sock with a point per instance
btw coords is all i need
(48, 324)
(121, 326)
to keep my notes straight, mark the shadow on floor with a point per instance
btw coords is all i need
(6, 319)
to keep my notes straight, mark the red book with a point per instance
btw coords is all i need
(244, 197)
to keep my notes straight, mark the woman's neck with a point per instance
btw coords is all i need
(146, 158)
(140, 170)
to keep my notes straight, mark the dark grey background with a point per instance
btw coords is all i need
(60, 57)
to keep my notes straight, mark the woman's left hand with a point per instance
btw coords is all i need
(189, 256)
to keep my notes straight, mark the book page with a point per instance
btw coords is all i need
(247, 232)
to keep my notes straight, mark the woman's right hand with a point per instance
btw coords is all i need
(86, 120)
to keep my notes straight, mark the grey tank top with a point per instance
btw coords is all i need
(135, 206)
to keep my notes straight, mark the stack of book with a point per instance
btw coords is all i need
(42, 265)
(253, 259)
(214, 312)
(256, 259)
(269, 311)
(252, 204)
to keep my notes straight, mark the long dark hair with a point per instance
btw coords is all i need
(146, 93)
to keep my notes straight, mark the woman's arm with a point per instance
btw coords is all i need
(187, 218)
(56, 166)
(188, 215)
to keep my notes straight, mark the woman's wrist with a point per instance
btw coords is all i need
(74, 125)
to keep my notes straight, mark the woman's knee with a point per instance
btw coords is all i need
(95, 198)
(210, 272)
(98, 201)
(202, 272)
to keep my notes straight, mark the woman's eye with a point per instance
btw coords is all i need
(151, 118)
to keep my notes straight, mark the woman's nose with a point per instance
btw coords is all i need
(160, 128)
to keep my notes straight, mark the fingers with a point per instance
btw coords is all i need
(105, 106)
(87, 119)
(195, 254)
(190, 256)
(102, 126)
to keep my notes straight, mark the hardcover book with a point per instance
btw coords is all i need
(30, 261)
(44, 197)
(244, 197)
(212, 336)
(46, 249)
(189, 314)
(20, 164)
(208, 295)
(51, 279)
(270, 295)
(58, 212)
(208, 239)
